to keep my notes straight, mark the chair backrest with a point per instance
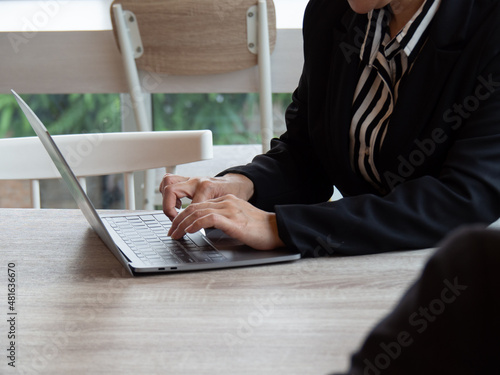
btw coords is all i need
(102, 154)
(195, 37)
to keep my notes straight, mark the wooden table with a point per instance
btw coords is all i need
(79, 312)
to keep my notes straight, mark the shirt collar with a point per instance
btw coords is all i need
(409, 40)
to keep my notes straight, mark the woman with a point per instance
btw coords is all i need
(398, 106)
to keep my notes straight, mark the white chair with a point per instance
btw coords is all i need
(102, 154)
(195, 37)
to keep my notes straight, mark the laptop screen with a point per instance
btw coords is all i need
(68, 176)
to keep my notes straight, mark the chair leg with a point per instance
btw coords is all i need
(149, 189)
(171, 169)
(264, 57)
(35, 194)
(129, 191)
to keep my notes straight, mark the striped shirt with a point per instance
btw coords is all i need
(385, 63)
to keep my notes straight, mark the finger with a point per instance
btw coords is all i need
(190, 215)
(201, 220)
(172, 195)
(169, 209)
(178, 204)
(170, 179)
(222, 205)
(212, 220)
(225, 202)
(182, 220)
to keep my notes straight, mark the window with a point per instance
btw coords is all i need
(233, 118)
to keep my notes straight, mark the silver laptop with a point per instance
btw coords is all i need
(139, 240)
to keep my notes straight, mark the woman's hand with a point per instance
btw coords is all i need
(174, 187)
(235, 217)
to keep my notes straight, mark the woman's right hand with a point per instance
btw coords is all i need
(200, 189)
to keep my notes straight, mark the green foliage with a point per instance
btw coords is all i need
(233, 118)
(62, 114)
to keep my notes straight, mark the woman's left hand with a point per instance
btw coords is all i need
(235, 217)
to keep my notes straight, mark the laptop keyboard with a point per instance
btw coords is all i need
(147, 236)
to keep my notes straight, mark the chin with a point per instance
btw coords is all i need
(365, 6)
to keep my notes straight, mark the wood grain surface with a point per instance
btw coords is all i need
(193, 37)
(80, 313)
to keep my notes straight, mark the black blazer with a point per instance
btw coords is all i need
(440, 161)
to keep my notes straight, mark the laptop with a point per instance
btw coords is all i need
(139, 240)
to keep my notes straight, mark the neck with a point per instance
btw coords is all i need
(402, 12)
